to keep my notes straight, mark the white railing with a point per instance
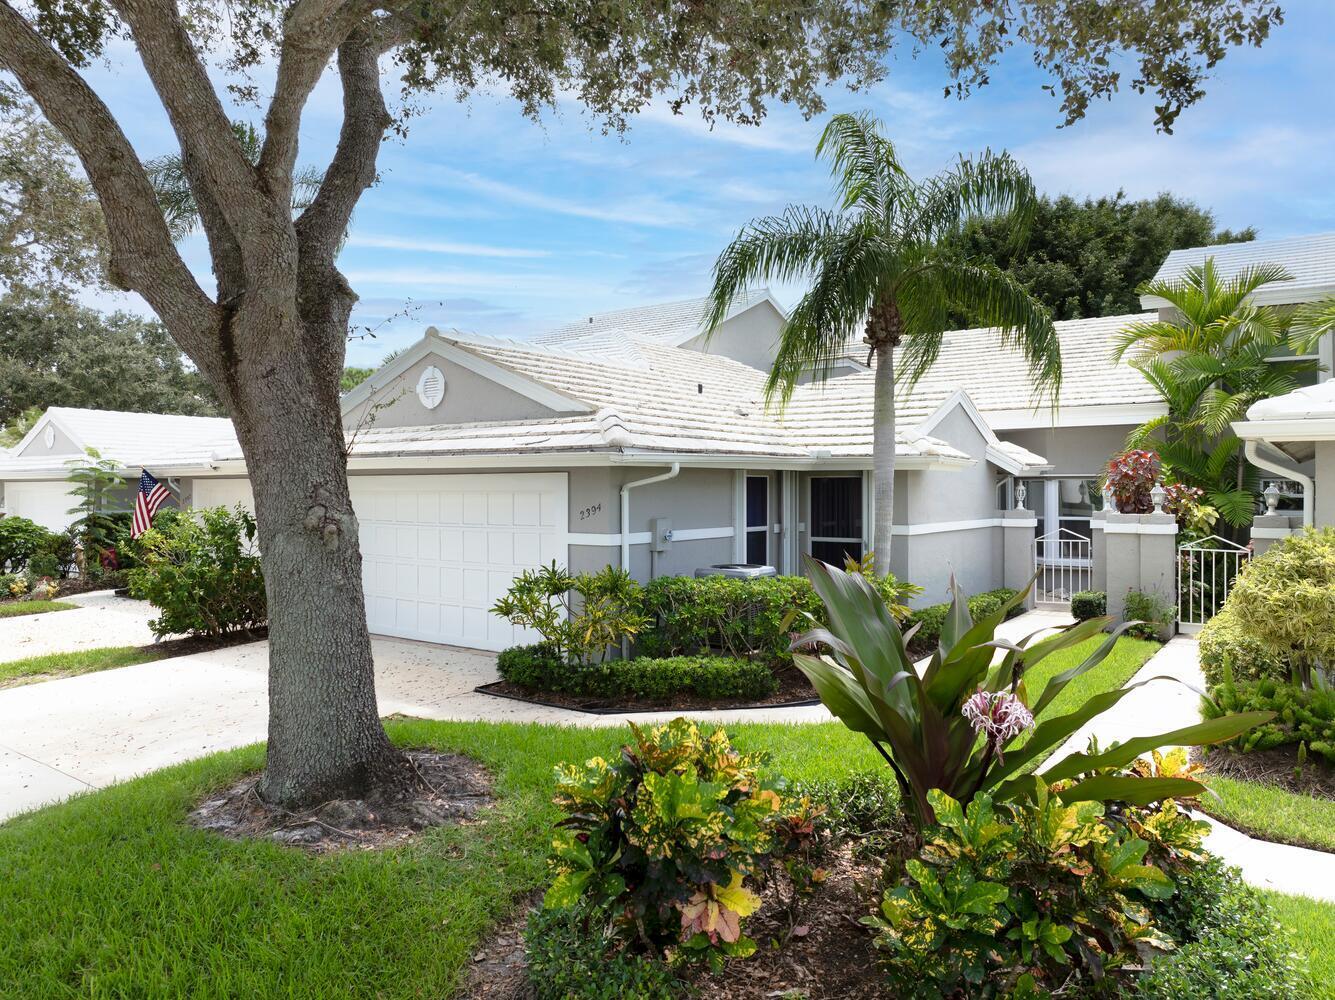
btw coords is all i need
(1205, 572)
(1063, 562)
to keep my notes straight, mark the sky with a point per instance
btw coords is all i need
(489, 223)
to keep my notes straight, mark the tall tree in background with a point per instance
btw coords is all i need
(56, 353)
(1088, 258)
(880, 267)
(271, 336)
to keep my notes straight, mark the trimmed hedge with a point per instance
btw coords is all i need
(1225, 640)
(1087, 604)
(714, 677)
(1302, 715)
(933, 618)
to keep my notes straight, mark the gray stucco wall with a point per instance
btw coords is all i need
(751, 337)
(1323, 509)
(469, 398)
(1073, 451)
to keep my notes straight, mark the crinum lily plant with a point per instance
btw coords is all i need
(967, 722)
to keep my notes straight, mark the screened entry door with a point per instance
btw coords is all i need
(836, 518)
(757, 520)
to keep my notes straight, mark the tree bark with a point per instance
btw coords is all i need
(325, 736)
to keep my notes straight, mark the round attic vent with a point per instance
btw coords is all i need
(431, 387)
(49, 436)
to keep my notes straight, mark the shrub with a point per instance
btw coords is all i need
(579, 616)
(538, 668)
(1130, 476)
(1152, 614)
(1086, 604)
(1302, 715)
(1031, 895)
(98, 486)
(44, 564)
(743, 618)
(715, 677)
(571, 957)
(1232, 945)
(1286, 598)
(201, 571)
(666, 836)
(19, 539)
(931, 618)
(1223, 640)
(929, 723)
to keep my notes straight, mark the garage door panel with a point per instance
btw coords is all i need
(440, 550)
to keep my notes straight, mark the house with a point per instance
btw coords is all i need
(630, 439)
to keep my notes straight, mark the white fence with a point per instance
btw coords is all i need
(1205, 572)
(1063, 560)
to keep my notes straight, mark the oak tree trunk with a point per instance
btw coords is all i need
(325, 736)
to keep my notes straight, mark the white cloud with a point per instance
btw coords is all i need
(442, 247)
(646, 210)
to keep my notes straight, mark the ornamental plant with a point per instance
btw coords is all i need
(580, 617)
(966, 725)
(1130, 476)
(669, 836)
(201, 571)
(1023, 897)
(1286, 599)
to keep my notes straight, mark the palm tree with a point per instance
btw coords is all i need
(1209, 364)
(881, 264)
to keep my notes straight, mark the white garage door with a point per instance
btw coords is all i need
(437, 551)
(222, 493)
(46, 503)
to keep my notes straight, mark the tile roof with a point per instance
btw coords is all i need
(132, 439)
(1310, 259)
(1312, 402)
(670, 323)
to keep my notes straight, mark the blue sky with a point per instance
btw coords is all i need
(490, 223)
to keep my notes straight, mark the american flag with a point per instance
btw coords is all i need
(146, 503)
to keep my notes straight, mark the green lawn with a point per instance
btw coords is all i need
(1272, 813)
(1128, 656)
(84, 661)
(14, 609)
(1311, 927)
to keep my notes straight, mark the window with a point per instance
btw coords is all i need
(757, 519)
(836, 518)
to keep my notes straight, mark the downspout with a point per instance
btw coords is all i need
(625, 526)
(625, 508)
(1270, 465)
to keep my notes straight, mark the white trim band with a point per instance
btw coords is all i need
(1274, 532)
(645, 537)
(1134, 528)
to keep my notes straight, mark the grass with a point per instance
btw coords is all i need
(1128, 656)
(13, 609)
(1310, 926)
(1272, 813)
(84, 661)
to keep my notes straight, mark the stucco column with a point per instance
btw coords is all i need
(1268, 529)
(1140, 554)
(1098, 552)
(1017, 550)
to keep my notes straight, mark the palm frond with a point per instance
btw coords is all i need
(862, 160)
(1311, 322)
(994, 185)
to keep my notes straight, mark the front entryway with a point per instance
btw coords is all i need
(1063, 565)
(1205, 572)
(437, 551)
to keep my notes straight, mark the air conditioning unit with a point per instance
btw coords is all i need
(738, 571)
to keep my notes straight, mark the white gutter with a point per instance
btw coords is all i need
(625, 508)
(1270, 465)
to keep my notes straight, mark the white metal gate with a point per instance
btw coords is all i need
(1064, 566)
(1205, 572)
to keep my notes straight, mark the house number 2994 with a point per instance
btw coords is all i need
(588, 512)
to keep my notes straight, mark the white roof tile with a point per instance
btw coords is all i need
(132, 439)
(1314, 402)
(670, 323)
(1310, 259)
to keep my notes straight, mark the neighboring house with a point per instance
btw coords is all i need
(1293, 437)
(628, 438)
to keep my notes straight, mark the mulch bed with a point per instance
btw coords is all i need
(816, 950)
(450, 790)
(1277, 767)
(794, 690)
(204, 643)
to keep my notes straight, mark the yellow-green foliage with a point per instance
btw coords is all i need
(667, 834)
(1229, 647)
(1286, 598)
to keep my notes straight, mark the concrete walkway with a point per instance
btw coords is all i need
(1164, 705)
(101, 619)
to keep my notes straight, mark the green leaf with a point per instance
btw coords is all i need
(1131, 790)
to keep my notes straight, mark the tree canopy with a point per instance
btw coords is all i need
(56, 353)
(1088, 257)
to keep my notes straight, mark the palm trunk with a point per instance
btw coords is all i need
(883, 456)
